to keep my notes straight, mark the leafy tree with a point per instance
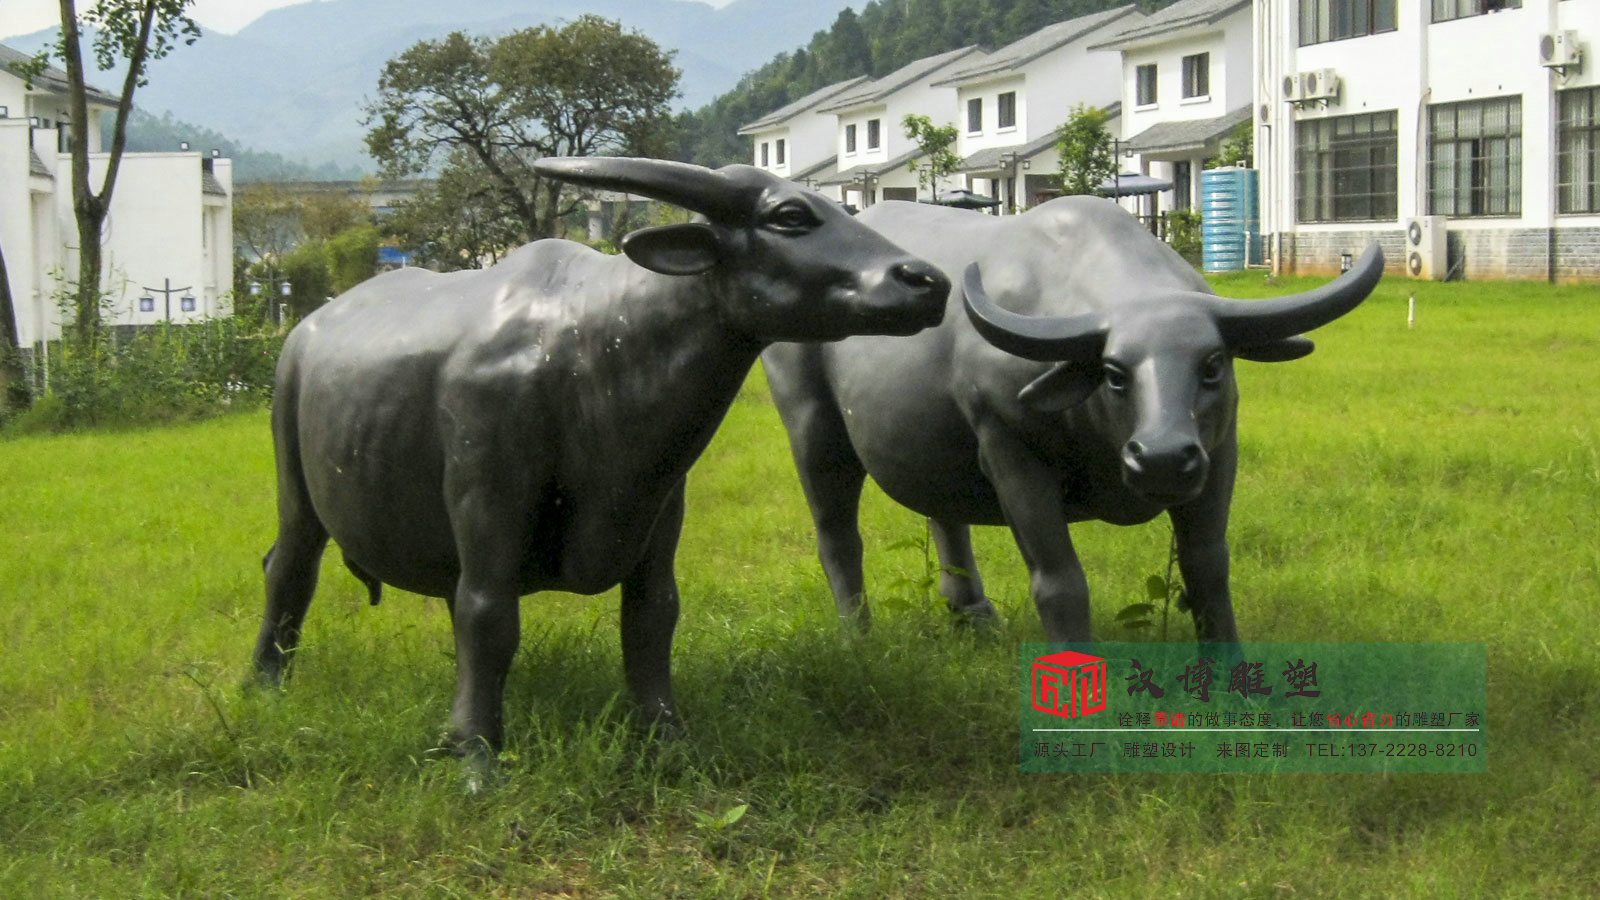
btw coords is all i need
(938, 159)
(585, 89)
(1085, 148)
(352, 257)
(266, 220)
(310, 283)
(1238, 148)
(138, 32)
(457, 222)
(327, 213)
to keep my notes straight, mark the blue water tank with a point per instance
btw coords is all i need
(1230, 223)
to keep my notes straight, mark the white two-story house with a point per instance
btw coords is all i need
(1010, 103)
(170, 223)
(795, 142)
(873, 152)
(1186, 83)
(1461, 135)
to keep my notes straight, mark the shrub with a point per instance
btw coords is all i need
(352, 257)
(1183, 233)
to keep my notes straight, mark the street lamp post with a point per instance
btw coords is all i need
(275, 312)
(167, 291)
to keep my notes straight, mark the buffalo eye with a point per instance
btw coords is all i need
(1211, 370)
(794, 218)
(1114, 377)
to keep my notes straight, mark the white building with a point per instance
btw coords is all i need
(793, 140)
(1186, 83)
(171, 217)
(1462, 135)
(1010, 103)
(873, 152)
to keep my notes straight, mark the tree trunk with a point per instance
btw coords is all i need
(13, 380)
(89, 256)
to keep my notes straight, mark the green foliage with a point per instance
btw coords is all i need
(939, 159)
(352, 257)
(1238, 148)
(310, 282)
(158, 374)
(1085, 149)
(882, 37)
(498, 105)
(1183, 233)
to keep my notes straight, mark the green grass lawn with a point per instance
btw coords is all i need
(1435, 483)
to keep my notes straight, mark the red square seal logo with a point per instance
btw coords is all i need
(1069, 684)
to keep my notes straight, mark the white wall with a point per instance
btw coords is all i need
(1229, 81)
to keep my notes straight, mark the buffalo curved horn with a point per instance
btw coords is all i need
(1045, 338)
(1247, 323)
(692, 187)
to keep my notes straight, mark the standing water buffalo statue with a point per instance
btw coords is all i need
(483, 435)
(1098, 384)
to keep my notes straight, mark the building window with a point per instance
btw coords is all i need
(1006, 110)
(780, 151)
(1182, 180)
(1197, 75)
(764, 161)
(850, 138)
(1475, 158)
(1336, 20)
(974, 115)
(1346, 168)
(1145, 85)
(1445, 10)
(1578, 151)
(874, 134)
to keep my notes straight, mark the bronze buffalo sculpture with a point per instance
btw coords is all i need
(1097, 385)
(483, 435)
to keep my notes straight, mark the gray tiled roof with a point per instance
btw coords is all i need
(35, 164)
(784, 113)
(819, 172)
(911, 72)
(51, 79)
(1193, 134)
(989, 160)
(1180, 15)
(854, 174)
(210, 185)
(1020, 53)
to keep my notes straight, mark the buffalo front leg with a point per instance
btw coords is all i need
(1200, 530)
(1030, 497)
(486, 621)
(959, 581)
(650, 616)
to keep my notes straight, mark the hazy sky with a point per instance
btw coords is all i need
(28, 16)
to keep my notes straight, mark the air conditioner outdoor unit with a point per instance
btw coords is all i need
(1292, 89)
(1560, 50)
(1319, 84)
(1426, 255)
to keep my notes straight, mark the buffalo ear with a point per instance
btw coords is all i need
(674, 249)
(1063, 387)
(1281, 350)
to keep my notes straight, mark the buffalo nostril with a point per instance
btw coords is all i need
(920, 277)
(1190, 452)
(1135, 451)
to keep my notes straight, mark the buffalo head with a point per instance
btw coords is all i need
(795, 266)
(1158, 368)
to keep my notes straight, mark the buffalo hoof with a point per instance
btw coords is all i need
(981, 617)
(481, 775)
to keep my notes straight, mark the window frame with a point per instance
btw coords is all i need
(765, 147)
(1344, 20)
(975, 115)
(850, 139)
(1005, 114)
(1459, 9)
(874, 134)
(778, 152)
(1477, 180)
(1139, 84)
(1337, 156)
(1197, 76)
(1569, 130)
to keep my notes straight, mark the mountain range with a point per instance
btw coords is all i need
(294, 81)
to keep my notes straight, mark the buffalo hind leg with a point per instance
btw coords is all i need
(959, 581)
(291, 568)
(650, 616)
